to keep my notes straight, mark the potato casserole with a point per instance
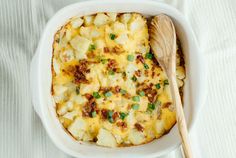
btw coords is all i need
(106, 83)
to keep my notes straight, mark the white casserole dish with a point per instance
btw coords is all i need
(194, 89)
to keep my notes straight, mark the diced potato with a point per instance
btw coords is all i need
(77, 128)
(118, 26)
(79, 99)
(112, 16)
(180, 73)
(67, 55)
(125, 18)
(160, 127)
(136, 137)
(143, 104)
(136, 25)
(131, 68)
(59, 89)
(168, 117)
(88, 20)
(121, 39)
(100, 19)
(100, 44)
(105, 138)
(142, 117)
(89, 88)
(87, 137)
(85, 32)
(95, 33)
(69, 105)
(70, 115)
(62, 109)
(68, 34)
(77, 23)
(131, 118)
(56, 66)
(81, 45)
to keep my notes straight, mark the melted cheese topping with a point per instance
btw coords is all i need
(107, 86)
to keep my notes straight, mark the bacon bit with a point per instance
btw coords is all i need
(138, 73)
(91, 54)
(115, 116)
(104, 113)
(166, 105)
(146, 72)
(106, 50)
(117, 89)
(117, 50)
(127, 95)
(140, 58)
(80, 71)
(150, 93)
(88, 96)
(139, 127)
(89, 108)
(121, 124)
(112, 64)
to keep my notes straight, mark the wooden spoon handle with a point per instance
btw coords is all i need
(181, 122)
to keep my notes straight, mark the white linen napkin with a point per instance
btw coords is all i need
(21, 24)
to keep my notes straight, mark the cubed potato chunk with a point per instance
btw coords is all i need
(136, 137)
(112, 16)
(160, 127)
(180, 73)
(81, 45)
(77, 23)
(88, 20)
(101, 19)
(77, 128)
(105, 138)
(125, 18)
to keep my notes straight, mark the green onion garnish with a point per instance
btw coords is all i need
(122, 91)
(135, 106)
(158, 86)
(111, 72)
(130, 58)
(112, 36)
(109, 116)
(94, 114)
(104, 61)
(136, 98)
(146, 66)
(123, 115)
(141, 93)
(134, 78)
(108, 94)
(77, 90)
(149, 56)
(92, 47)
(96, 95)
(166, 82)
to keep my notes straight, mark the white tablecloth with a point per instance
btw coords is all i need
(21, 23)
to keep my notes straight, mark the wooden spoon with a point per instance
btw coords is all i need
(163, 45)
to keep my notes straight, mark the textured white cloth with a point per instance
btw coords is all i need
(21, 23)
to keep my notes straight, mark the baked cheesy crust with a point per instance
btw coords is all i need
(107, 85)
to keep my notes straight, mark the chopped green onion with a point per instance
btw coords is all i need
(112, 36)
(166, 82)
(122, 91)
(108, 94)
(111, 72)
(123, 115)
(96, 95)
(158, 86)
(94, 114)
(135, 106)
(77, 90)
(134, 78)
(109, 116)
(141, 93)
(149, 56)
(130, 58)
(104, 61)
(136, 98)
(146, 66)
(151, 106)
(92, 47)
